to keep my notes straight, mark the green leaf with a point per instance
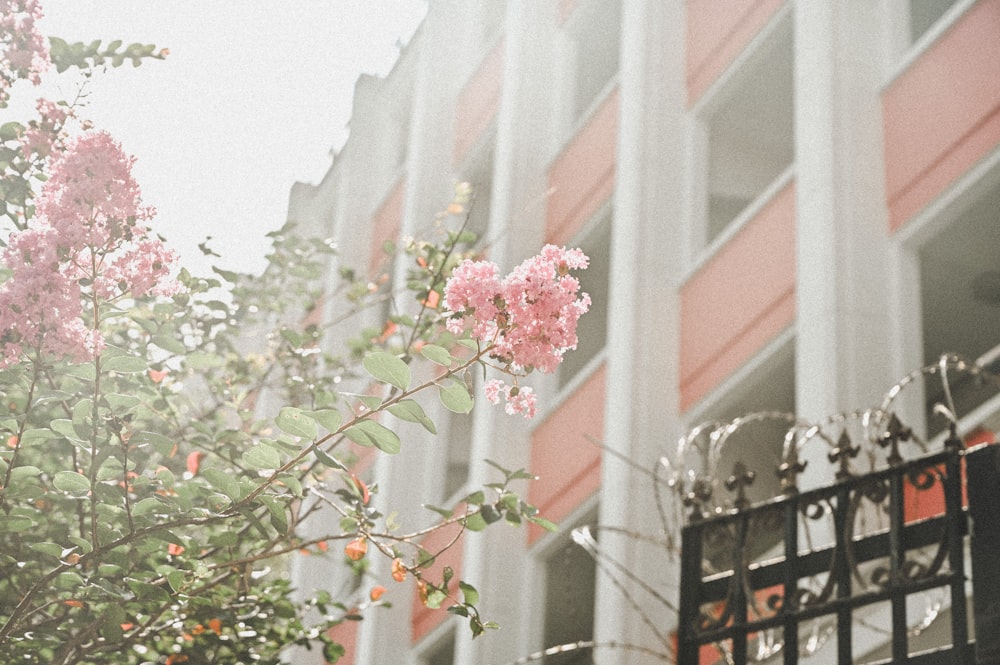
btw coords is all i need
(121, 402)
(292, 483)
(19, 472)
(85, 371)
(227, 275)
(411, 411)
(328, 460)
(469, 593)
(443, 512)
(199, 360)
(171, 344)
(124, 364)
(475, 522)
(549, 526)
(330, 419)
(279, 520)
(296, 422)
(436, 354)
(387, 368)
(262, 456)
(71, 481)
(435, 597)
(149, 592)
(33, 435)
(175, 578)
(50, 549)
(17, 523)
(223, 482)
(370, 433)
(455, 396)
(147, 506)
(332, 652)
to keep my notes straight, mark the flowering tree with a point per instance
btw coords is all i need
(147, 500)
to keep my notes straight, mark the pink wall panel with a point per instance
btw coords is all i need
(386, 223)
(740, 300)
(942, 114)
(478, 102)
(582, 177)
(567, 464)
(717, 32)
(347, 635)
(566, 8)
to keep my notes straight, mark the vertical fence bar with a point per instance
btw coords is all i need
(691, 553)
(739, 597)
(842, 571)
(897, 556)
(791, 581)
(983, 471)
(956, 549)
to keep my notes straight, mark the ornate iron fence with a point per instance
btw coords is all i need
(744, 599)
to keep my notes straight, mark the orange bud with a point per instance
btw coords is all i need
(322, 546)
(432, 300)
(12, 441)
(356, 549)
(376, 593)
(198, 630)
(455, 209)
(194, 462)
(215, 625)
(73, 603)
(398, 570)
(365, 495)
(174, 549)
(156, 375)
(126, 627)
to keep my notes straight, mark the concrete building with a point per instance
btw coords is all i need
(789, 205)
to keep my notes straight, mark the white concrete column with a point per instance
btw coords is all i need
(843, 331)
(642, 392)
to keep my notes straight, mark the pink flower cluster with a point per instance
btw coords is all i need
(85, 242)
(44, 135)
(529, 317)
(519, 400)
(23, 51)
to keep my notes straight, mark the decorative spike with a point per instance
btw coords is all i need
(843, 454)
(894, 433)
(739, 481)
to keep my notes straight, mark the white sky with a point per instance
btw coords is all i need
(253, 96)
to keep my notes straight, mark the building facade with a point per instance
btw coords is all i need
(788, 205)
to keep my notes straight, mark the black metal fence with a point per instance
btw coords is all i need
(753, 574)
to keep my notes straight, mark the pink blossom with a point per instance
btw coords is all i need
(519, 399)
(86, 235)
(91, 198)
(530, 316)
(492, 390)
(23, 51)
(528, 319)
(40, 304)
(43, 136)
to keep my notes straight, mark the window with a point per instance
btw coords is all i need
(925, 13)
(960, 301)
(594, 31)
(457, 443)
(442, 652)
(592, 330)
(570, 591)
(769, 387)
(750, 134)
(480, 176)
